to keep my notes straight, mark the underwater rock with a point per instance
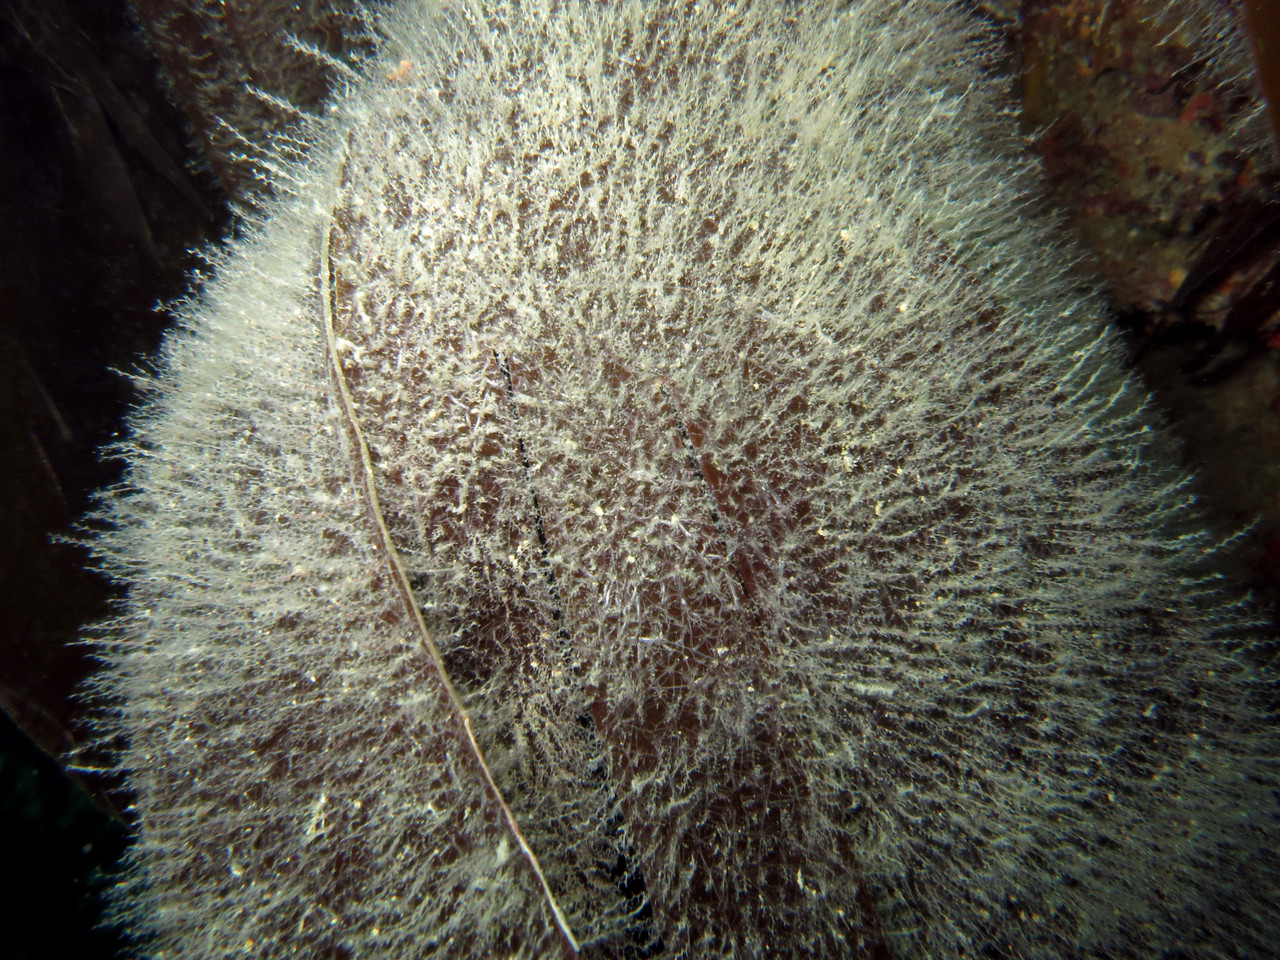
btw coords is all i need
(648, 486)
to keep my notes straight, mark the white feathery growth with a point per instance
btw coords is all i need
(649, 487)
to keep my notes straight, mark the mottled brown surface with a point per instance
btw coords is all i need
(1147, 127)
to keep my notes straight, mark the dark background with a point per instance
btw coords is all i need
(101, 200)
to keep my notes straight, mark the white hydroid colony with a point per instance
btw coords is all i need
(646, 490)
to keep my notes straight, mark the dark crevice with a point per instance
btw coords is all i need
(639, 941)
